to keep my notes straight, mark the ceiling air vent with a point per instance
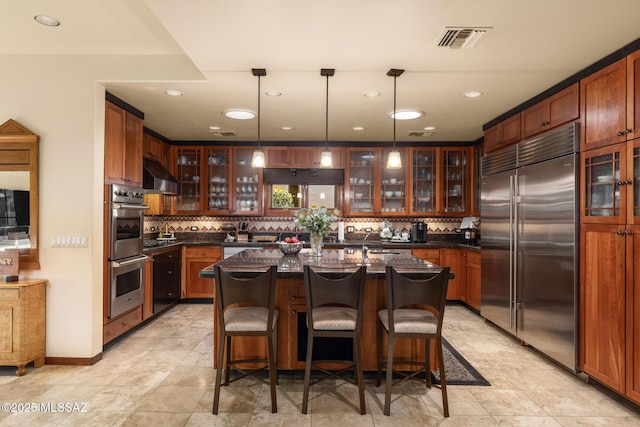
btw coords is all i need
(460, 37)
(223, 133)
(420, 133)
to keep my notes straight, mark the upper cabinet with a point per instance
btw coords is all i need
(154, 149)
(609, 103)
(122, 147)
(247, 186)
(555, 110)
(301, 157)
(372, 188)
(441, 181)
(504, 133)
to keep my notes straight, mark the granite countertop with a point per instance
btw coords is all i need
(332, 260)
(355, 244)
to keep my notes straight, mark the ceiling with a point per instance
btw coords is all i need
(531, 46)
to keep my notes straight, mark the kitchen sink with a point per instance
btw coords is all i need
(383, 252)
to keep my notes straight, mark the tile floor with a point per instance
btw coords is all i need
(161, 375)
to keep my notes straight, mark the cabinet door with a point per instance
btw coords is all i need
(189, 174)
(492, 139)
(147, 304)
(633, 314)
(114, 148)
(504, 133)
(431, 255)
(247, 187)
(603, 105)
(603, 304)
(559, 108)
(473, 289)
(218, 179)
(197, 258)
(453, 258)
(393, 195)
(603, 196)
(633, 96)
(304, 157)
(423, 184)
(277, 157)
(632, 182)
(133, 151)
(361, 186)
(455, 190)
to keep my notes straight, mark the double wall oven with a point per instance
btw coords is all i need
(126, 239)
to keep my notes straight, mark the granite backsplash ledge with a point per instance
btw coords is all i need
(210, 228)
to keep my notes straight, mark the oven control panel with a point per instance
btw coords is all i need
(126, 194)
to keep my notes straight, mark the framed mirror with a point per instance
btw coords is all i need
(19, 193)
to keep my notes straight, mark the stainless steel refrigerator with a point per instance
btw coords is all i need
(530, 242)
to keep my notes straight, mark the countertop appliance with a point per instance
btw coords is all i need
(530, 235)
(419, 232)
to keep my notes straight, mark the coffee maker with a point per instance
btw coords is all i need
(419, 232)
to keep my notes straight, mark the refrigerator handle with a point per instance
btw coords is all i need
(516, 243)
(511, 251)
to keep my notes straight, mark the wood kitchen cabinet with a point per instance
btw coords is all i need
(154, 149)
(470, 291)
(301, 157)
(504, 133)
(22, 324)
(561, 107)
(160, 204)
(246, 188)
(431, 255)
(122, 147)
(610, 104)
(372, 188)
(441, 181)
(187, 162)
(195, 259)
(453, 258)
(147, 304)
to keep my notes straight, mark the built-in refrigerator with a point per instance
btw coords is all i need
(530, 242)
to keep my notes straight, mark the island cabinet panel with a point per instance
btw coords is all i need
(559, 108)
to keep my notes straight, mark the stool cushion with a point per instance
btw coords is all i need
(334, 318)
(248, 318)
(412, 321)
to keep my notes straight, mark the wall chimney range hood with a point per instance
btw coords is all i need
(157, 179)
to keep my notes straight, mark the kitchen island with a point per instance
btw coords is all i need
(291, 303)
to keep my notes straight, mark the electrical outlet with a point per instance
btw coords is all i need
(368, 230)
(350, 229)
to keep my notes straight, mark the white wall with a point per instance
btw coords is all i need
(60, 99)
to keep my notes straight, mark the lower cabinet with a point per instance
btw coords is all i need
(147, 304)
(22, 324)
(453, 258)
(431, 255)
(471, 291)
(166, 279)
(121, 324)
(196, 258)
(610, 306)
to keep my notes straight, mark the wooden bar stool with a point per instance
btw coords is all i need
(334, 309)
(415, 309)
(246, 307)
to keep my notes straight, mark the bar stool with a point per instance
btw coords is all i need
(415, 309)
(334, 309)
(253, 314)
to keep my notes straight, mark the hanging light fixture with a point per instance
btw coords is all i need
(325, 159)
(394, 161)
(257, 161)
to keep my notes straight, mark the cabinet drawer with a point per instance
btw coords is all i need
(473, 257)
(426, 253)
(204, 252)
(122, 324)
(12, 294)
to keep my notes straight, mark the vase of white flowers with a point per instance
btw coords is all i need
(316, 221)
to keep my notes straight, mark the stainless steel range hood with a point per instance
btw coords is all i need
(157, 179)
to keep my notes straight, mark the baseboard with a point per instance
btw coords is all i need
(79, 361)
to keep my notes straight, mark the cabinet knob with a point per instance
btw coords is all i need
(628, 182)
(293, 298)
(294, 312)
(627, 232)
(620, 133)
(627, 131)
(619, 232)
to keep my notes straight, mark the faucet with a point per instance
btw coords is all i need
(364, 247)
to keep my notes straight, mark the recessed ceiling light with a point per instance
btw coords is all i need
(214, 127)
(240, 114)
(286, 127)
(358, 128)
(406, 114)
(472, 94)
(371, 93)
(173, 92)
(273, 93)
(47, 20)
(431, 128)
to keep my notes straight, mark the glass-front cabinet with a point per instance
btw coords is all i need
(610, 185)
(218, 180)
(440, 181)
(372, 188)
(188, 163)
(247, 188)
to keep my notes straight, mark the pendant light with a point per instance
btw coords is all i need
(325, 159)
(394, 161)
(257, 161)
